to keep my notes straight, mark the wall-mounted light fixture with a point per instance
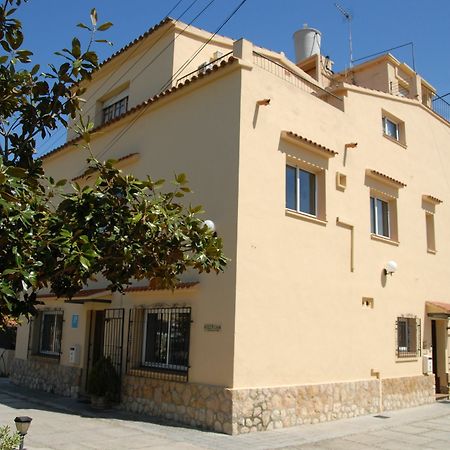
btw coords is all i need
(210, 225)
(390, 268)
(263, 102)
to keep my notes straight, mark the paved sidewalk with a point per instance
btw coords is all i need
(66, 424)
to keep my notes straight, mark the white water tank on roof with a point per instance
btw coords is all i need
(307, 42)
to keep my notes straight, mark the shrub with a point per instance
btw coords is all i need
(8, 441)
(103, 380)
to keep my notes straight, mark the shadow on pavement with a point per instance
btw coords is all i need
(19, 397)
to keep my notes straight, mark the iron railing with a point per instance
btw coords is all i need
(298, 81)
(158, 343)
(441, 107)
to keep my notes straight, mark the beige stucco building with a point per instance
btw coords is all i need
(331, 192)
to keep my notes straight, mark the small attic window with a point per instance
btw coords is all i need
(115, 106)
(393, 128)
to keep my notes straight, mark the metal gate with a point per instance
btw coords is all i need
(106, 338)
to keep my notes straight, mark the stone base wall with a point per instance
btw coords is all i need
(407, 392)
(7, 357)
(48, 376)
(267, 409)
(197, 405)
(236, 411)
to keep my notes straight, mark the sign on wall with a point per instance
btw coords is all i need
(75, 318)
(212, 327)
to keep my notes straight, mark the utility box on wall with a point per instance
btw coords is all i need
(74, 354)
(427, 364)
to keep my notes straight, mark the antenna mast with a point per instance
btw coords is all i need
(348, 17)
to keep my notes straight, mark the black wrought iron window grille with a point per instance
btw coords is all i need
(408, 331)
(46, 333)
(158, 342)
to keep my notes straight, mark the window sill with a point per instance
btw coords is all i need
(395, 141)
(376, 237)
(306, 217)
(46, 358)
(406, 359)
(147, 372)
(431, 251)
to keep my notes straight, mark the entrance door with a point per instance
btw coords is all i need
(435, 356)
(106, 338)
(439, 341)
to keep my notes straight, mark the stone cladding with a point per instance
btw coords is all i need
(407, 392)
(46, 375)
(237, 411)
(197, 405)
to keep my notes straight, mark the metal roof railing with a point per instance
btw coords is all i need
(297, 80)
(441, 107)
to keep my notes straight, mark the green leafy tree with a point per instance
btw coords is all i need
(8, 440)
(59, 236)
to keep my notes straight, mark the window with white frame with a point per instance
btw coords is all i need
(391, 128)
(166, 338)
(379, 217)
(408, 337)
(301, 190)
(51, 323)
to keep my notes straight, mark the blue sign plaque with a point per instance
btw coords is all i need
(75, 320)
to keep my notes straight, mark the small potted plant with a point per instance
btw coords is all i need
(103, 384)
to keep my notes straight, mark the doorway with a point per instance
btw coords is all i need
(439, 337)
(106, 338)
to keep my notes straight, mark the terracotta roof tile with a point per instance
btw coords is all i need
(386, 178)
(123, 158)
(431, 199)
(103, 291)
(146, 103)
(310, 142)
(83, 293)
(186, 285)
(135, 41)
(444, 306)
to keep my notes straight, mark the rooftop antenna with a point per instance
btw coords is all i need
(348, 17)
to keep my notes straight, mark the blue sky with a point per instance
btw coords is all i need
(377, 25)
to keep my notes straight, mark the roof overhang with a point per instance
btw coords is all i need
(82, 301)
(118, 163)
(98, 295)
(431, 199)
(319, 149)
(385, 178)
(438, 310)
(86, 295)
